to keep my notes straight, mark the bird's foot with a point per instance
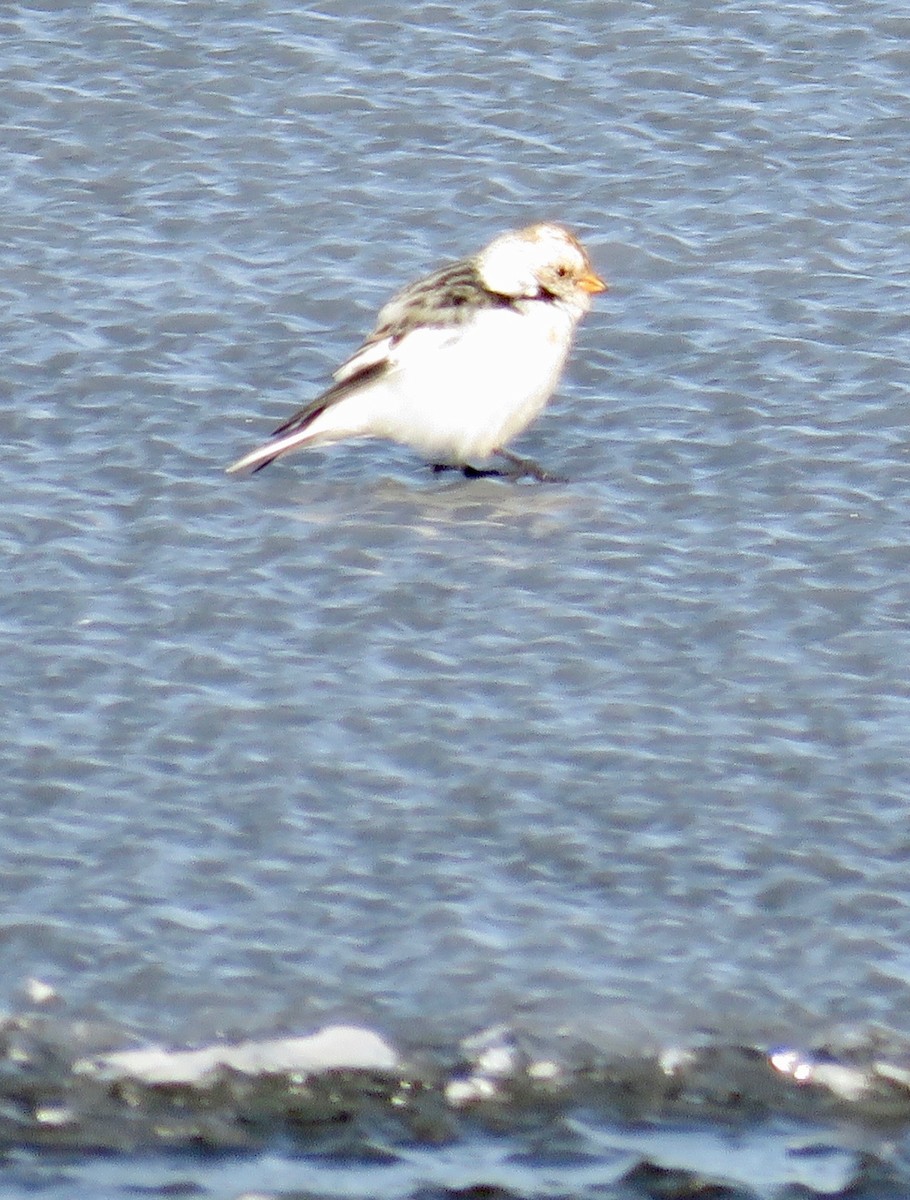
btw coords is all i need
(518, 468)
(522, 468)
(470, 472)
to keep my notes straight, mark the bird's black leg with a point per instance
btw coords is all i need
(471, 472)
(522, 467)
(518, 468)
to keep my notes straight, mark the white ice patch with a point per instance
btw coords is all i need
(335, 1048)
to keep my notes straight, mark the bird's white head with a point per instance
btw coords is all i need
(542, 258)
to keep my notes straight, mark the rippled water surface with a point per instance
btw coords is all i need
(620, 763)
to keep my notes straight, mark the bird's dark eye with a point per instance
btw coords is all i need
(562, 272)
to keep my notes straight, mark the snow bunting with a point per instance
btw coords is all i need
(461, 362)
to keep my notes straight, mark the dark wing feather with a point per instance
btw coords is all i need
(330, 396)
(449, 297)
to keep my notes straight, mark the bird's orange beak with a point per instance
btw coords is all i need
(589, 282)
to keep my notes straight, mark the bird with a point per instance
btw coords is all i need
(460, 362)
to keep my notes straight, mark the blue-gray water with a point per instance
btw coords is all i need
(621, 763)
